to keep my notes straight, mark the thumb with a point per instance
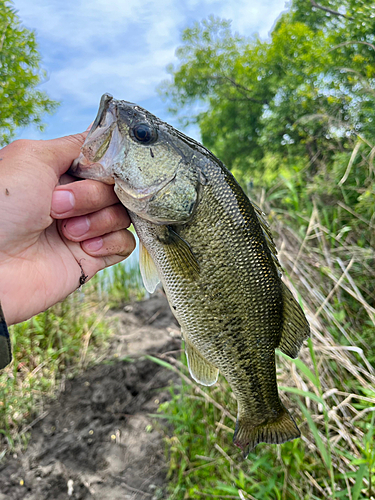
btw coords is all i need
(60, 153)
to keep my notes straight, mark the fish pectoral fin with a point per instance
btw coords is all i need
(180, 255)
(282, 429)
(148, 270)
(200, 369)
(295, 326)
(5, 345)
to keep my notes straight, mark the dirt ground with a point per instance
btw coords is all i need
(97, 440)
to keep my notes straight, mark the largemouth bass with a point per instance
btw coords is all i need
(212, 250)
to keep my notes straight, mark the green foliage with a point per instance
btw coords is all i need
(122, 283)
(44, 347)
(21, 103)
(58, 342)
(204, 463)
(301, 97)
(293, 117)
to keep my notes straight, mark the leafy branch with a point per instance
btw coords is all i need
(327, 9)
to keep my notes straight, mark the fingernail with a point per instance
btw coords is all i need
(62, 201)
(94, 244)
(77, 226)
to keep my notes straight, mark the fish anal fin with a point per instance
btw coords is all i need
(280, 430)
(180, 255)
(201, 370)
(148, 270)
(295, 326)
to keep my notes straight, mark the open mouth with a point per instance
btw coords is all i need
(101, 145)
(99, 138)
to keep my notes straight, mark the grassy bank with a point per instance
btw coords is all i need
(55, 345)
(330, 388)
(333, 459)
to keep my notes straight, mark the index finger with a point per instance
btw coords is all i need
(81, 198)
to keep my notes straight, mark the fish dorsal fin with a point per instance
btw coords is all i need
(148, 270)
(200, 369)
(5, 346)
(295, 326)
(261, 216)
(180, 255)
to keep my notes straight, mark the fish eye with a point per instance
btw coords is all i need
(144, 133)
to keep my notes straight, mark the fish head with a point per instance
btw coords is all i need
(147, 162)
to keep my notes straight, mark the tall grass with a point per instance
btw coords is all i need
(330, 388)
(121, 283)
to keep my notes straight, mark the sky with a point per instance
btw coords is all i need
(121, 47)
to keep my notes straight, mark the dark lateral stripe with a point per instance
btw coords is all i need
(5, 346)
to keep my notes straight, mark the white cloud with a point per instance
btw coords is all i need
(85, 45)
(77, 23)
(89, 26)
(130, 79)
(121, 46)
(251, 17)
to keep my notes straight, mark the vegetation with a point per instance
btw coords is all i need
(330, 390)
(121, 283)
(55, 345)
(21, 104)
(293, 118)
(305, 94)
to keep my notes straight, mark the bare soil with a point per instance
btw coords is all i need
(97, 441)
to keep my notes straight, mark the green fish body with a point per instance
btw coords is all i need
(212, 250)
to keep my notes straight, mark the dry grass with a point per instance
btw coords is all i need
(319, 271)
(330, 388)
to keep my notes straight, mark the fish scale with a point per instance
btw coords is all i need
(253, 327)
(214, 254)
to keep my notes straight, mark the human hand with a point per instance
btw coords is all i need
(53, 237)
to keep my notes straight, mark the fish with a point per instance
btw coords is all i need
(213, 252)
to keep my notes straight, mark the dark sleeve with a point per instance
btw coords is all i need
(5, 347)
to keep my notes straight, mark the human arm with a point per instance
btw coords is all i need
(43, 258)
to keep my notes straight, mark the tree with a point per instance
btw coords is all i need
(300, 98)
(21, 103)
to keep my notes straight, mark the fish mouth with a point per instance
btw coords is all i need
(102, 144)
(102, 154)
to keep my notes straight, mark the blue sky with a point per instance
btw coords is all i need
(121, 47)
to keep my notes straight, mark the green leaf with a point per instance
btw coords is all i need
(21, 103)
(303, 368)
(305, 394)
(356, 491)
(318, 440)
(161, 362)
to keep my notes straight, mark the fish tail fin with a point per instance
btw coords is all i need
(280, 430)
